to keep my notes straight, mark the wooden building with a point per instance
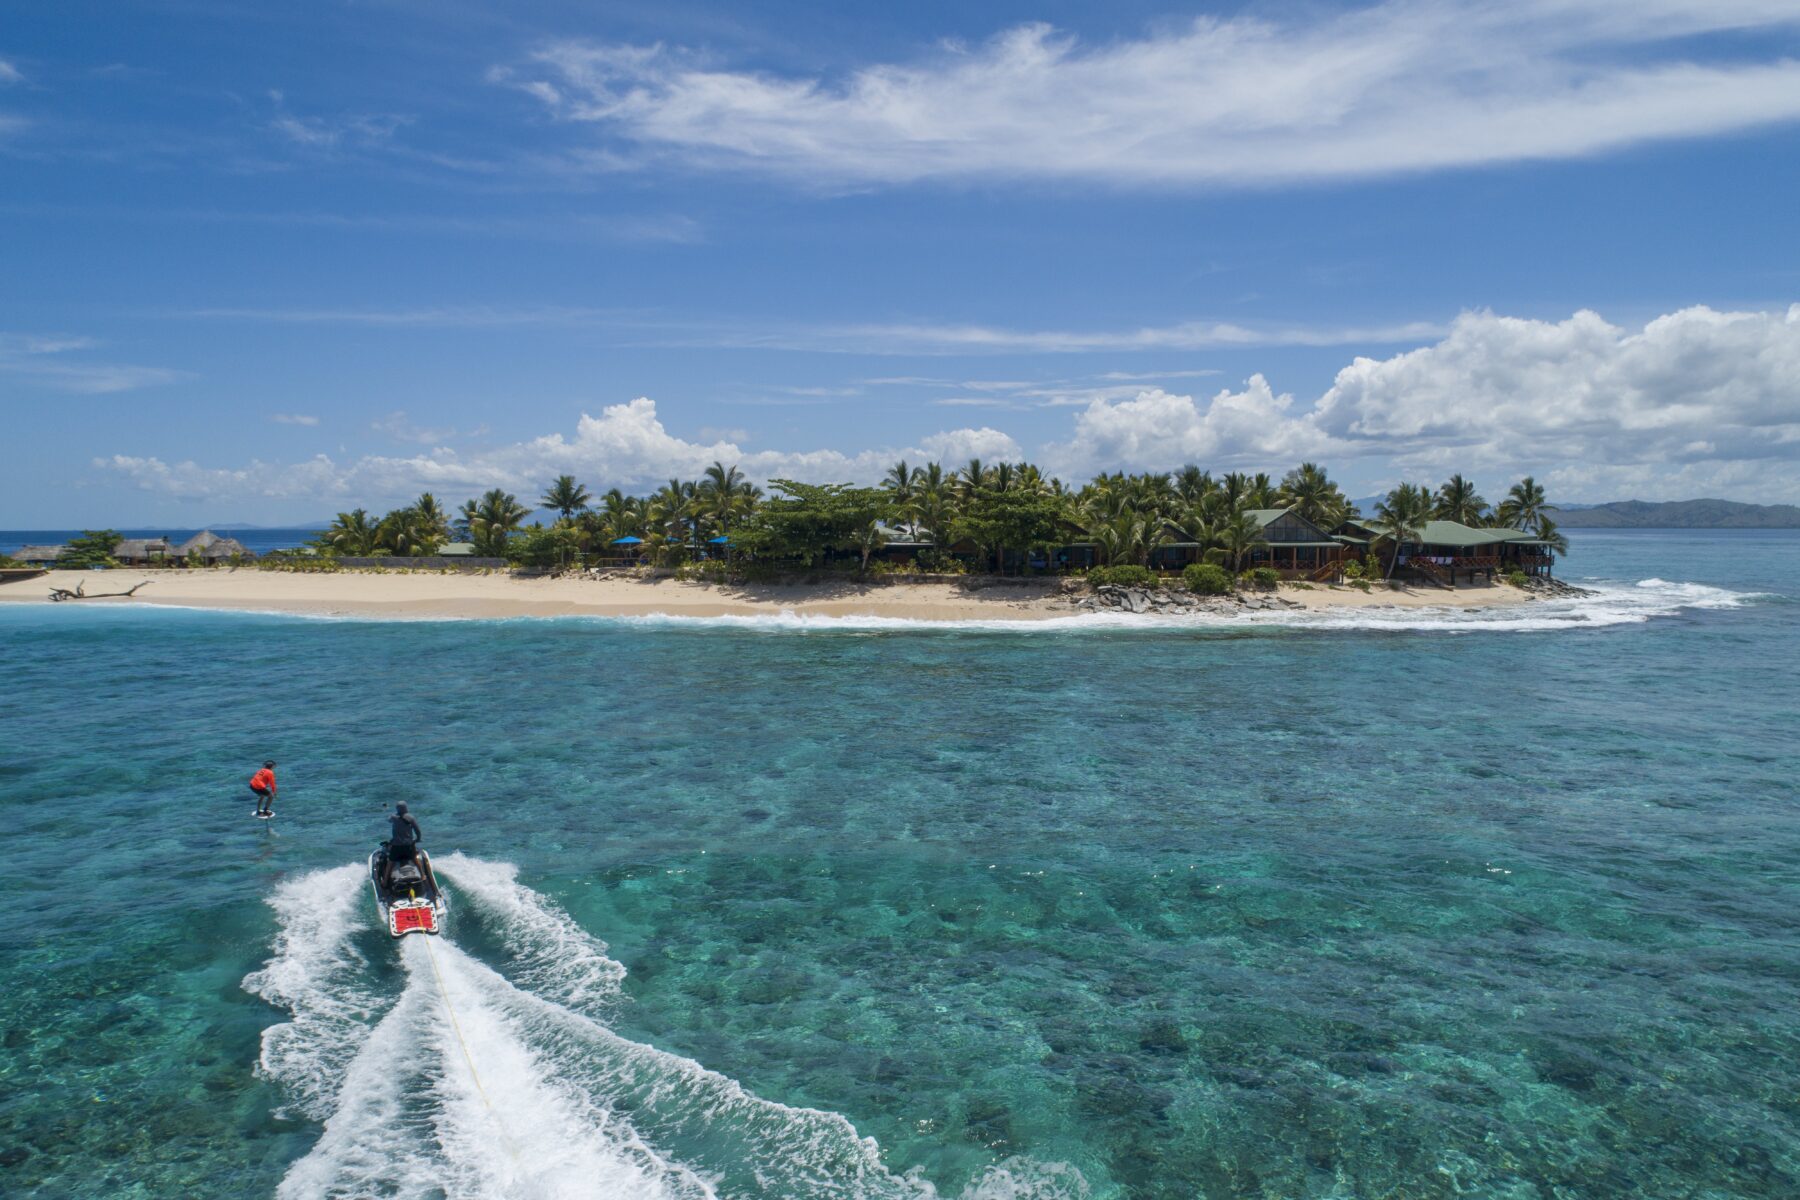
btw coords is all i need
(1447, 550)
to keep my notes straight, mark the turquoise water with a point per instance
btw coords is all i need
(1496, 906)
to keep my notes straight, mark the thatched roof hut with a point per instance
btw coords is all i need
(212, 547)
(40, 555)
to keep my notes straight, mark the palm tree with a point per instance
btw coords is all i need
(1235, 488)
(971, 479)
(933, 507)
(406, 533)
(433, 521)
(1524, 504)
(1236, 537)
(1308, 490)
(675, 514)
(724, 495)
(1193, 485)
(353, 533)
(1261, 493)
(1404, 513)
(492, 519)
(1457, 501)
(1550, 535)
(566, 496)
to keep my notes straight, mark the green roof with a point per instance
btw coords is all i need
(1450, 533)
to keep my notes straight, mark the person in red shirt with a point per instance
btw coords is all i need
(263, 784)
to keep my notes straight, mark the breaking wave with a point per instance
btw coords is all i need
(471, 1084)
(1611, 604)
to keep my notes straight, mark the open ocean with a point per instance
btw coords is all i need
(257, 541)
(1499, 906)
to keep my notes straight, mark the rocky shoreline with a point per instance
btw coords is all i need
(1177, 602)
(1109, 598)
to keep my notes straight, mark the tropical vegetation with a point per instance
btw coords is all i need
(1006, 513)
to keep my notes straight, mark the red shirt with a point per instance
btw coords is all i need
(264, 779)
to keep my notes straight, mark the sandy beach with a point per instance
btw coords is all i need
(430, 596)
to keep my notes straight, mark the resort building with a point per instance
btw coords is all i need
(143, 552)
(206, 545)
(1445, 550)
(1293, 546)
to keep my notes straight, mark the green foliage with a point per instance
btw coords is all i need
(545, 546)
(1265, 577)
(1516, 577)
(1371, 566)
(711, 571)
(491, 520)
(565, 497)
(8, 561)
(94, 548)
(1123, 575)
(1208, 579)
(807, 520)
(999, 519)
(300, 564)
(1353, 570)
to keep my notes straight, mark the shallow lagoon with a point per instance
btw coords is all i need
(1280, 911)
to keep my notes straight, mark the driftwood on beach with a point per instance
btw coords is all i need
(81, 593)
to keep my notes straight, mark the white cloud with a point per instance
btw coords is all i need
(325, 133)
(1395, 87)
(9, 73)
(1156, 430)
(898, 338)
(1695, 402)
(625, 446)
(43, 361)
(293, 419)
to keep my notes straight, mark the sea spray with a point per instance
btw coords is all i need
(553, 956)
(477, 1086)
(317, 975)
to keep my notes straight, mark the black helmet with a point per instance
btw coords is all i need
(400, 807)
(270, 764)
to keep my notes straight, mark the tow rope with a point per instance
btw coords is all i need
(468, 1056)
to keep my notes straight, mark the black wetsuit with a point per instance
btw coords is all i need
(403, 837)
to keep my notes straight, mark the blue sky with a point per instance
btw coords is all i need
(267, 262)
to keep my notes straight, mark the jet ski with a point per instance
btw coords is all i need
(410, 901)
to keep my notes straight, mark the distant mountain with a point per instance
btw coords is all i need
(1668, 514)
(1679, 514)
(239, 526)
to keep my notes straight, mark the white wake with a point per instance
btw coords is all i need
(476, 1083)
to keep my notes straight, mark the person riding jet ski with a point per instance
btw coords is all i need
(404, 836)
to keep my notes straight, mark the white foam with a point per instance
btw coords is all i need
(317, 975)
(522, 1095)
(554, 956)
(1617, 603)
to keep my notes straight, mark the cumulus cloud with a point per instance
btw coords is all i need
(625, 446)
(1393, 87)
(293, 419)
(1695, 402)
(1158, 431)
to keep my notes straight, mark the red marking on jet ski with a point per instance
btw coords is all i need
(405, 920)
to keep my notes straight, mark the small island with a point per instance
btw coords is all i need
(986, 540)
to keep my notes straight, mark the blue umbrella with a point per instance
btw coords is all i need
(718, 541)
(628, 541)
